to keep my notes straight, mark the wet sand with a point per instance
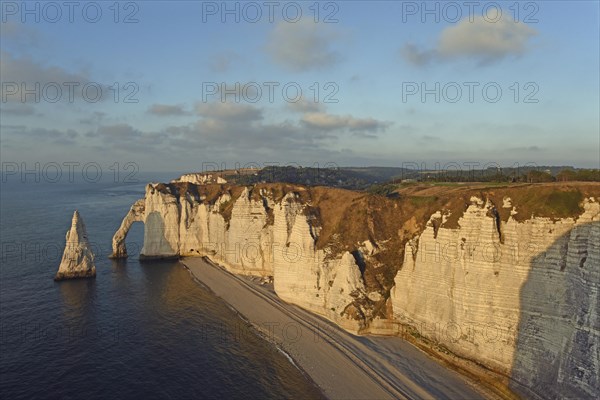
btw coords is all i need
(343, 365)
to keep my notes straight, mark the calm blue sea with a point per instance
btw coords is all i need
(139, 330)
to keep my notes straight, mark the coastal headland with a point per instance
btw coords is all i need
(497, 281)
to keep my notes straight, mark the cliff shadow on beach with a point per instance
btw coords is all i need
(558, 335)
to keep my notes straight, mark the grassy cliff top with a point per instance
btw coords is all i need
(551, 200)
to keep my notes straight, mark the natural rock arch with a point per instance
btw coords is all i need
(137, 213)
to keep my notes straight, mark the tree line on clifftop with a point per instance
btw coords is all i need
(375, 179)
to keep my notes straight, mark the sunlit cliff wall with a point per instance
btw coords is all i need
(518, 297)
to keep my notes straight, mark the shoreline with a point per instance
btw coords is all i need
(342, 365)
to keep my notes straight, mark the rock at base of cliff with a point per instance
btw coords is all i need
(78, 258)
(75, 275)
(145, 258)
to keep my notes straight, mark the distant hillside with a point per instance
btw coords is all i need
(348, 178)
(361, 178)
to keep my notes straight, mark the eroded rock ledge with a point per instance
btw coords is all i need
(508, 277)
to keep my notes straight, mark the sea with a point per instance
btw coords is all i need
(139, 330)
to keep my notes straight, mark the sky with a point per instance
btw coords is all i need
(190, 85)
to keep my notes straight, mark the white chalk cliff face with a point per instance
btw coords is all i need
(260, 237)
(200, 178)
(518, 297)
(78, 259)
(304, 275)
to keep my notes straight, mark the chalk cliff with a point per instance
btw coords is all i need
(508, 278)
(518, 297)
(78, 259)
(201, 178)
(251, 232)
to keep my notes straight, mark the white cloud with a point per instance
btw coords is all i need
(94, 118)
(303, 45)
(229, 111)
(304, 106)
(222, 62)
(330, 122)
(17, 72)
(124, 137)
(486, 40)
(416, 56)
(17, 36)
(163, 110)
(40, 136)
(481, 40)
(18, 109)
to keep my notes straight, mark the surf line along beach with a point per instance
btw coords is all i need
(344, 366)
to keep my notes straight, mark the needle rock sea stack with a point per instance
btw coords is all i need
(78, 258)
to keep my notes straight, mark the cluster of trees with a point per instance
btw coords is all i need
(566, 175)
(384, 179)
(336, 177)
(589, 175)
(513, 175)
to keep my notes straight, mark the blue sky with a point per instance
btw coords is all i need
(369, 57)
